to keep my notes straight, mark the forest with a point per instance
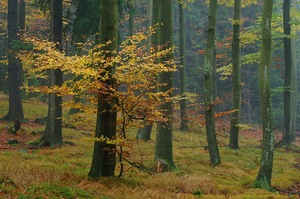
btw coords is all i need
(149, 99)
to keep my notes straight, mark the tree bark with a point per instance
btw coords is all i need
(295, 93)
(15, 110)
(53, 131)
(163, 146)
(236, 79)
(144, 133)
(22, 14)
(104, 155)
(288, 90)
(131, 17)
(263, 179)
(182, 70)
(209, 86)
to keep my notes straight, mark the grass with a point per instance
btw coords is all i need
(62, 172)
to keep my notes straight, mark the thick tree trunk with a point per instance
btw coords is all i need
(15, 111)
(209, 86)
(104, 155)
(263, 179)
(163, 146)
(182, 70)
(236, 80)
(287, 133)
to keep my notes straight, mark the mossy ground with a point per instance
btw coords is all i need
(62, 172)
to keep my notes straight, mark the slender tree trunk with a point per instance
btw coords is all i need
(263, 179)
(287, 133)
(209, 86)
(3, 48)
(294, 93)
(246, 105)
(145, 131)
(15, 111)
(104, 155)
(22, 14)
(182, 70)
(53, 132)
(236, 80)
(163, 146)
(56, 7)
(131, 17)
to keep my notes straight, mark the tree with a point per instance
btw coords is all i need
(22, 14)
(53, 132)
(182, 70)
(295, 93)
(263, 179)
(236, 79)
(104, 155)
(131, 17)
(163, 145)
(144, 132)
(209, 86)
(86, 22)
(288, 134)
(15, 111)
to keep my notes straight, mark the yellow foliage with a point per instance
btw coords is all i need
(225, 71)
(135, 78)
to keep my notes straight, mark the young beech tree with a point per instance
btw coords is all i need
(263, 179)
(135, 101)
(209, 86)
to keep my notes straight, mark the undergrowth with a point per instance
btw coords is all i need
(62, 172)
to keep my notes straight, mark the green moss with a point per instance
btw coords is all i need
(262, 183)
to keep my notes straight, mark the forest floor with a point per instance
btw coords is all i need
(28, 172)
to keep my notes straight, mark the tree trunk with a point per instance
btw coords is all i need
(163, 146)
(236, 80)
(182, 70)
(246, 105)
(145, 131)
(294, 93)
(104, 155)
(3, 48)
(22, 14)
(15, 111)
(263, 179)
(287, 133)
(53, 131)
(209, 86)
(131, 17)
